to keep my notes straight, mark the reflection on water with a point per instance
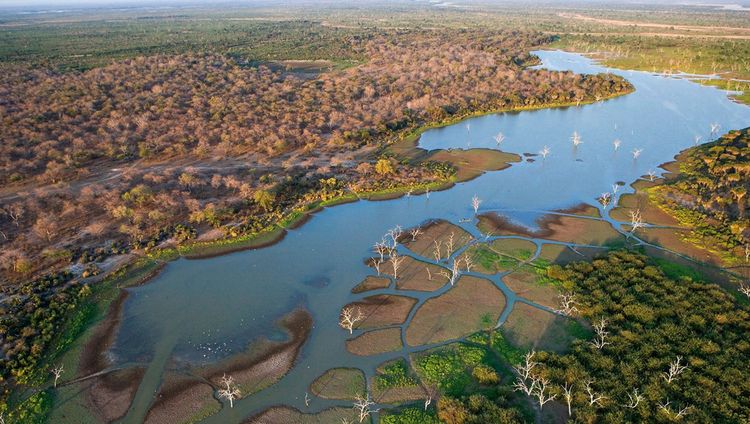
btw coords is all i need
(203, 310)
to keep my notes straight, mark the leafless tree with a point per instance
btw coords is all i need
(436, 251)
(475, 202)
(636, 221)
(634, 399)
(499, 138)
(664, 407)
(57, 372)
(429, 274)
(605, 199)
(427, 402)
(697, 139)
(394, 234)
(363, 405)
(307, 399)
(715, 128)
(745, 289)
(637, 153)
(427, 192)
(449, 245)
(230, 391)
(468, 127)
(468, 262)
(396, 261)
(346, 421)
(568, 395)
(545, 151)
(651, 175)
(747, 253)
(542, 394)
(350, 317)
(594, 398)
(381, 249)
(567, 304)
(617, 144)
(615, 188)
(675, 369)
(600, 329)
(377, 263)
(416, 232)
(525, 381)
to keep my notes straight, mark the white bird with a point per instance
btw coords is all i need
(617, 143)
(637, 153)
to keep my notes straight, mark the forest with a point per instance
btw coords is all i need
(710, 192)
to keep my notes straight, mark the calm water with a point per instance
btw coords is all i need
(203, 310)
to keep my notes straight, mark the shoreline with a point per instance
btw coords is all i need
(153, 262)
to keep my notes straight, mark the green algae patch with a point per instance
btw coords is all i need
(473, 304)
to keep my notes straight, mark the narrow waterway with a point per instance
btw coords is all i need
(201, 311)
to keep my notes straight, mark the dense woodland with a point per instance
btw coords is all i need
(710, 193)
(652, 320)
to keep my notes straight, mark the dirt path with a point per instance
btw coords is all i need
(638, 24)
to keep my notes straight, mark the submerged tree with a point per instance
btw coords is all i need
(363, 404)
(475, 202)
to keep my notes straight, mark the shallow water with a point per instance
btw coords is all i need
(204, 310)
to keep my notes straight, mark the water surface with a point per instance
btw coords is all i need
(204, 310)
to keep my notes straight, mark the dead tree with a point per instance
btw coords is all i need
(576, 139)
(697, 139)
(394, 234)
(634, 400)
(601, 334)
(230, 391)
(651, 175)
(437, 253)
(594, 398)
(376, 263)
(542, 394)
(475, 202)
(307, 399)
(545, 151)
(675, 369)
(416, 232)
(396, 261)
(636, 221)
(605, 199)
(57, 372)
(664, 407)
(567, 304)
(636, 153)
(362, 405)
(427, 402)
(499, 138)
(616, 144)
(350, 317)
(429, 274)
(525, 381)
(747, 253)
(468, 262)
(449, 245)
(745, 289)
(381, 249)
(568, 395)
